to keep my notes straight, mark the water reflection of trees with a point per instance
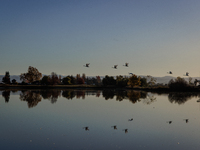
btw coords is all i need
(32, 98)
(181, 98)
(6, 95)
(108, 94)
(133, 96)
(51, 95)
(68, 94)
(150, 98)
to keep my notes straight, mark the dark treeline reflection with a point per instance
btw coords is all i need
(181, 97)
(133, 96)
(51, 95)
(33, 97)
(6, 95)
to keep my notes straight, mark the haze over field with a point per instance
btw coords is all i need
(153, 36)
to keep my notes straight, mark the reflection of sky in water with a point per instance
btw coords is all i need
(60, 125)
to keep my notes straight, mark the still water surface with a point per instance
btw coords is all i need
(96, 120)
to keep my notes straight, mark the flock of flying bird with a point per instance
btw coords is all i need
(115, 66)
(186, 74)
(126, 65)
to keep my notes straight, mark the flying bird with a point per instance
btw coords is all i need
(115, 66)
(87, 65)
(186, 120)
(169, 72)
(186, 74)
(126, 65)
(130, 119)
(169, 122)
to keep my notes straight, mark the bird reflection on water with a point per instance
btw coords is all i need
(114, 127)
(86, 128)
(125, 130)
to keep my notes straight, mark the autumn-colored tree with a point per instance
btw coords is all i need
(108, 81)
(77, 77)
(143, 82)
(45, 80)
(98, 79)
(80, 81)
(121, 81)
(178, 84)
(32, 75)
(53, 79)
(84, 76)
(66, 80)
(73, 80)
(134, 81)
(6, 78)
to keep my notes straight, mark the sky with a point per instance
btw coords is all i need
(153, 36)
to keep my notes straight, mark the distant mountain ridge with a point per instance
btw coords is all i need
(163, 80)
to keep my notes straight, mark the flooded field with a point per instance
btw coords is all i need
(89, 119)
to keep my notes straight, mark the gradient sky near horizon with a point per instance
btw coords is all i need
(153, 36)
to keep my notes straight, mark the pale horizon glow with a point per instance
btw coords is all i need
(61, 36)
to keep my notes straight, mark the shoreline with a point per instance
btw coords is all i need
(80, 87)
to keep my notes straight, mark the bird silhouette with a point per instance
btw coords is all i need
(125, 130)
(115, 66)
(186, 120)
(87, 65)
(169, 122)
(186, 74)
(130, 73)
(130, 119)
(114, 127)
(86, 128)
(126, 65)
(169, 72)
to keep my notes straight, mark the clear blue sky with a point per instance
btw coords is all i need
(153, 36)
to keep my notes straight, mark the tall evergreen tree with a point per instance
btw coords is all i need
(6, 78)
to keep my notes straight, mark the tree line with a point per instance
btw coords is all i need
(33, 76)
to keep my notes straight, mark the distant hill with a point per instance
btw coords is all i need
(163, 80)
(16, 77)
